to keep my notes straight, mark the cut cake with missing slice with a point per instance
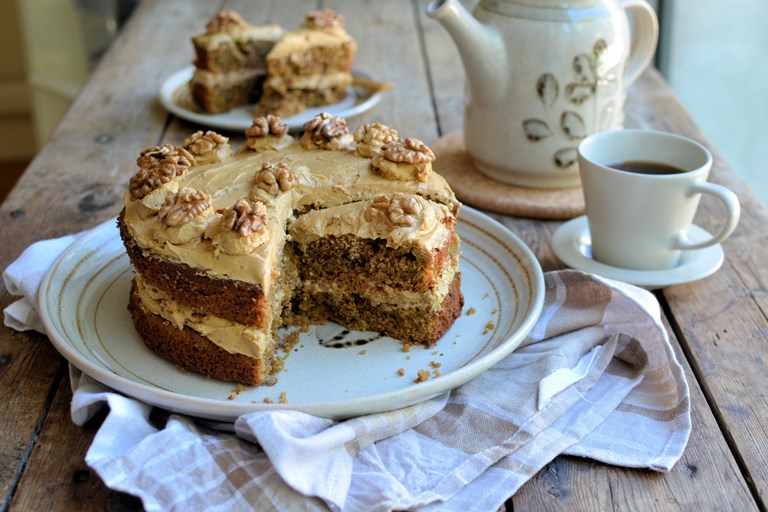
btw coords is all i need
(228, 248)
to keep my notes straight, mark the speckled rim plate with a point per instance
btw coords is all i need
(332, 372)
(177, 99)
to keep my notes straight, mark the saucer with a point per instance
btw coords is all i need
(572, 245)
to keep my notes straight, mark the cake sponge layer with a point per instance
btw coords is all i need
(192, 351)
(417, 324)
(238, 301)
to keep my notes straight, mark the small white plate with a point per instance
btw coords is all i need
(572, 244)
(332, 372)
(176, 97)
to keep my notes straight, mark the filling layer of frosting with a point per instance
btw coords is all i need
(211, 79)
(237, 338)
(233, 337)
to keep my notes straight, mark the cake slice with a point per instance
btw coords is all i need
(310, 66)
(230, 62)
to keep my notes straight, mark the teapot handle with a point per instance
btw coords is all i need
(645, 36)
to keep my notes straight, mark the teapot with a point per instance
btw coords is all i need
(543, 74)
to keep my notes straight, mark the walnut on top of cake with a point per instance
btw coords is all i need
(326, 18)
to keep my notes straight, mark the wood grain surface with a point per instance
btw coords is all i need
(718, 325)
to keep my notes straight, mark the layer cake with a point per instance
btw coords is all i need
(228, 248)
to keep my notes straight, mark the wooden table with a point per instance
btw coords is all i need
(718, 325)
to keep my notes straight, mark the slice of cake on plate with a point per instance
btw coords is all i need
(228, 248)
(282, 73)
(230, 62)
(310, 66)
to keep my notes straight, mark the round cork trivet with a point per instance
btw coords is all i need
(476, 189)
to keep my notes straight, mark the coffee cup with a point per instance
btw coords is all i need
(641, 191)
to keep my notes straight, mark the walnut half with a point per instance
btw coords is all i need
(274, 178)
(404, 160)
(245, 217)
(326, 131)
(158, 166)
(265, 125)
(327, 18)
(388, 212)
(207, 147)
(410, 150)
(370, 138)
(223, 21)
(184, 206)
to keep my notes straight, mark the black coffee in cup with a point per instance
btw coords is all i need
(642, 167)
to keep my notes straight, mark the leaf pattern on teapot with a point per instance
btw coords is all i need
(589, 82)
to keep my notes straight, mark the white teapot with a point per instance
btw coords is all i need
(541, 76)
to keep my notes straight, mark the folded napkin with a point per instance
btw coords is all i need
(595, 378)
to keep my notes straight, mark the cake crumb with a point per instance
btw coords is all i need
(489, 327)
(471, 311)
(434, 364)
(362, 352)
(283, 397)
(235, 392)
(486, 295)
(423, 375)
(400, 372)
(278, 363)
(407, 358)
(290, 341)
(268, 400)
(406, 347)
(437, 373)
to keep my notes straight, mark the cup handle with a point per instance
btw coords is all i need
(732, 215)
(645, 36)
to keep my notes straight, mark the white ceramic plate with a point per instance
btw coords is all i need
(572, 244)
(177, 99)
(332, 372)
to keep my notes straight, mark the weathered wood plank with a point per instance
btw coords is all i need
(59, 457)
(28, 368)
(387, 34)
(722, 318)
(446, 70)
(75, 182)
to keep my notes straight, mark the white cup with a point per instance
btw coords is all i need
(640, 221)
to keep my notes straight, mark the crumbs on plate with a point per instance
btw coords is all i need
(235, 392)
(423, 375)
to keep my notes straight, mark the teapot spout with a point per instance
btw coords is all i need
(481, 48)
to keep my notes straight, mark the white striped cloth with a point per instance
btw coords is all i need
(596, 378)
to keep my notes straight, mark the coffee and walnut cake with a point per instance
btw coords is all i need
(281, 72)
(229, 247)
